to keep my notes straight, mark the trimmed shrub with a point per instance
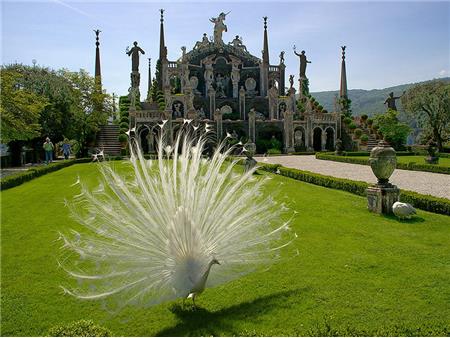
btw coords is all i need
(364, 138)
(353, 158)
(19, 178)
(369, 122)
(364, 117)
(273, 151)
(122, 138)
(352, 126)
(347, 120)
(358, 132)
(123, 125)
(420, 201)
(81, 328)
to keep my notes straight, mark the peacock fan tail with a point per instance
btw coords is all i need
(150, 235)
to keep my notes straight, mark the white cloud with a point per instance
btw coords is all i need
(443, 72)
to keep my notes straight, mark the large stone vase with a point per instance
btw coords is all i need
(383, 162)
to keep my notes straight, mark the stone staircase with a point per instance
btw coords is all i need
(107, 139)
(372, 142)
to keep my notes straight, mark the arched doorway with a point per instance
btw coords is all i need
(330, 139)
(317, 139)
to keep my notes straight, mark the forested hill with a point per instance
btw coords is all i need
(365, 101)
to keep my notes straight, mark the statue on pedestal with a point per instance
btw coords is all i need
(134, 52)
(282, 57)
(291, 81)
(303, 62)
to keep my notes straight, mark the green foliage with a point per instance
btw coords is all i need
(369, 122)
(273, 151)
(365, 138)
(81, 328)
(393, 131)
(429, 103)
(20, 108)
(364, 117)
(347, 120)
(122, 138)
(123, 125)
(352, 126)
(358, 132)
(345, 104)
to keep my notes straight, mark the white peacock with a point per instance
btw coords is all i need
(154, 235)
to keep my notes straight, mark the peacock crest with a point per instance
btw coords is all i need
(153, 235)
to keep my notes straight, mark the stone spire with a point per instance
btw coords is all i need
(266, 43)
(98, 74)
(343, 89)
(162, 45)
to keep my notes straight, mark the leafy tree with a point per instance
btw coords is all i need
(20, 110)
(91, 107)
(393, 131)
(429, 103)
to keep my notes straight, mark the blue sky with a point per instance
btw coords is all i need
(388, 43)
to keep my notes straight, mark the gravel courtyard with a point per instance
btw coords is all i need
(419, 181)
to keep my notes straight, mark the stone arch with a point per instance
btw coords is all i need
(299, 138)
(329, 145)
(317, 138)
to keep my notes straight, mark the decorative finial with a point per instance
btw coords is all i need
(162, 14)
(343, 52)
(265, 22)
(97, 32)
(149, 62)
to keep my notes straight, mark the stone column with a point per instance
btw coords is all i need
(242, 103)
(212, 102)
(252, 125)
(218, 119)
(282, 79)
(288, 132)
(309, 132)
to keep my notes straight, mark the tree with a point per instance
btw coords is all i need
(90, 109)
(20, 110)
(429, 103)
(393, 131)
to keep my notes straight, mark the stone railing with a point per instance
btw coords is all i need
(172, 64)
(274, 69)
(330, 117)
(144, 116)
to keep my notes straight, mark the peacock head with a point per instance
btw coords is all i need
(214, 261)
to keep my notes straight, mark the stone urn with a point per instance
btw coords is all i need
(250, 162)
(383, 162)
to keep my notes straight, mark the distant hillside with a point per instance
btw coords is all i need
(366, 101)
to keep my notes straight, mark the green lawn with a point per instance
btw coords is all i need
(443, 161)
(357, 273)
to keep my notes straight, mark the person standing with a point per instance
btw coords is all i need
(66, 149)
(48, 148)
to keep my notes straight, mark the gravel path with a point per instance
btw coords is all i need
(419, 181)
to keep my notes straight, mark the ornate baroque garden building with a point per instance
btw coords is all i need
(225, 85)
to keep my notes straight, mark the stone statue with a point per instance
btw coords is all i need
(237, 43)
(209, 75)
(291, 81)
(134, 52)
(391, 100)
(303, 62)
(183, 54)
(220, 86)
(339, 147)
(282, 57)
(203, 43)
(219, 27)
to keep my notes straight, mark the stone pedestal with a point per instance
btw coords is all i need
(381, 198)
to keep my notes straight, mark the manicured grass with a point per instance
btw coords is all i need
(357, 273)
(443, 161)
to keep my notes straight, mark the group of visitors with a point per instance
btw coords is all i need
(49, 148)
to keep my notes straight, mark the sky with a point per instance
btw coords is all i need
(388, 43)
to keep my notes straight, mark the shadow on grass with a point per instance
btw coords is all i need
(202, 322)
(413, 219)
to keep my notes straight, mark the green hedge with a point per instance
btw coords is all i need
(19, 178)
(420, 201)
(405, 166)
(81, 328)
